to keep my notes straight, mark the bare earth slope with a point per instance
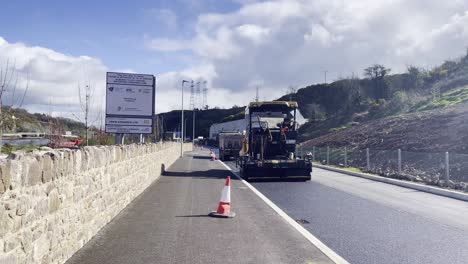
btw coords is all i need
(428, 131)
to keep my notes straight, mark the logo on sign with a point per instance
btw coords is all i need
(111, 89)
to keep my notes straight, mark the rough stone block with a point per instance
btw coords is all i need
(5, 222)
(26, 240)
(47, 169)
(5, 177)
(34, 172)
(23, 205)
(78, 160)
(84, 159)
(11, 242)
(41, 208)
(40, 248)
(10, 205)
(54, 201)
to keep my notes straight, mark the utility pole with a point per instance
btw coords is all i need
(193, 127)
(256, 94)
(197, 95)
(205, 94)
(182, 120)
(325, 73)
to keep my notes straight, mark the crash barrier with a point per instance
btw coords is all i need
(54, 201)
(439, 169)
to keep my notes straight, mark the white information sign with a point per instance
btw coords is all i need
(129, 100)
(129, 78)
(129, 121)
(129, 103)
(128, 129)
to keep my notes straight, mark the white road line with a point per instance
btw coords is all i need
(312, 239)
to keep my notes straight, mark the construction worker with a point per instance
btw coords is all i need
(285, 126)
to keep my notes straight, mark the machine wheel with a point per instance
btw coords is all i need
(243, 174)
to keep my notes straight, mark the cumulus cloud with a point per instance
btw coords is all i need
(52, 78)
(163, 16)
(279, 43)
(165, 44)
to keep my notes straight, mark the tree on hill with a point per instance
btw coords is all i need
(376, 73)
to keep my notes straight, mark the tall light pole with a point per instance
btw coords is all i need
(193, 126)
(182, 121)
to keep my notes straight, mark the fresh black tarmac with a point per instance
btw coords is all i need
(168, 223)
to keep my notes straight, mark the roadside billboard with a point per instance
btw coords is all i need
(129, 103)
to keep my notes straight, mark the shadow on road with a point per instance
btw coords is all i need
(200, 215)
(208, 174)
(201, 157)
(276, 180)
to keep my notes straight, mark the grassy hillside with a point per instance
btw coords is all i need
(350, 102)
(423, 110)
(28, 122)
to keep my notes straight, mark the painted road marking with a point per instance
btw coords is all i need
(312, 239)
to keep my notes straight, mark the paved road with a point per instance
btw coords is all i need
(168, 224)
(371, 222)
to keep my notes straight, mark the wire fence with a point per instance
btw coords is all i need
(441, 169)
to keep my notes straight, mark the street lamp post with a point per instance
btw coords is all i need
(182, 121)
(193, 126)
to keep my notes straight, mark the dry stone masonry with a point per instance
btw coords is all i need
(53, 202)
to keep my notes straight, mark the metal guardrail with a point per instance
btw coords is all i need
(442, 169)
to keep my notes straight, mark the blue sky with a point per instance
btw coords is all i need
(114, 31)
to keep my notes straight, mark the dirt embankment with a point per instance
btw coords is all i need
(423, 138)
(429, 131)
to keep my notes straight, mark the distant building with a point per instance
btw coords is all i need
(172, 136)
(237, 125)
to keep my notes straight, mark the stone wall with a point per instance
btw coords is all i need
(53, 202)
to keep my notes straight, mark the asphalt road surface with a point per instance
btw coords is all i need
(371, 222)
(168, 223)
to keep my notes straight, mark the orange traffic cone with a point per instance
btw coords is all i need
(212, 155)
(224, 207)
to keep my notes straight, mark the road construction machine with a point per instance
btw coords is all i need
(269, 143)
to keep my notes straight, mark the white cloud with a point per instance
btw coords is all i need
(163, 16)
(254, 33)
(164, 44)
(320, 34)
(283, 42)
(53, 78)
